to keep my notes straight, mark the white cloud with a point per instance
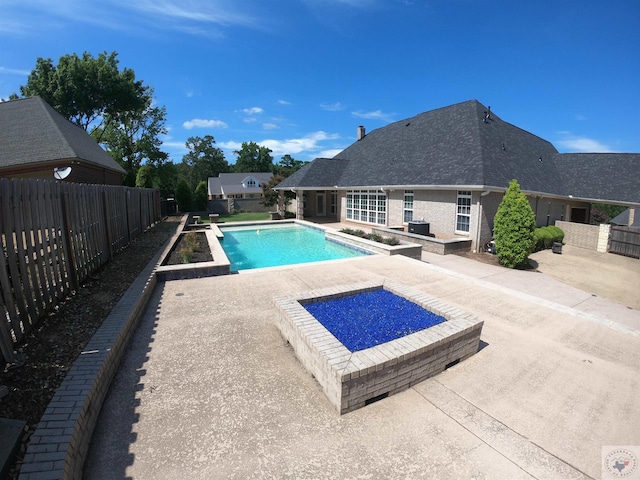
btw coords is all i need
(309, 143)
(202, 123)
(284, 102)
(574, 143)
(195, 17)
(14, 71)
(375, 115)
(330, 153)
(332, 107)
(230, 145)
(580, 117)
(252, 110)
(269, 126)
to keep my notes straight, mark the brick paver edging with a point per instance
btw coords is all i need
(59, 446)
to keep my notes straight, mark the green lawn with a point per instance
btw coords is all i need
(244, 217)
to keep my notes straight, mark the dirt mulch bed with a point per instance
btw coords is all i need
(492, 259)
(54, 344)
(192, 247)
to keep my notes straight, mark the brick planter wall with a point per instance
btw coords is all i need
(352, 379)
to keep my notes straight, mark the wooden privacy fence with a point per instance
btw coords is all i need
(54, 235)
(625, 241)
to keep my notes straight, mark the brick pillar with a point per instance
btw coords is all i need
(300, 205)
(632, 212)
(603, 238)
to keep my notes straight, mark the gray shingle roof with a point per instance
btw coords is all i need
(231, 183)
(458, 146)
(598, 176)
(31, 132)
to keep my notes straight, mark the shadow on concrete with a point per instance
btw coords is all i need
(109, 453)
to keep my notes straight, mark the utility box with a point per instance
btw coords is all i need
(419, 228)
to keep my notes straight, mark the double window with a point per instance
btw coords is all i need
(367, 206)
(407, 215)
(463, 214)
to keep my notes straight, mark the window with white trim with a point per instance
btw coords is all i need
(367, 206)
(463, 214)
(407, 215)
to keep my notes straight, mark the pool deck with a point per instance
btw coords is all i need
(209, 389)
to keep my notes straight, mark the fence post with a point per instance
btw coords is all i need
(66, 236)
(107, 221)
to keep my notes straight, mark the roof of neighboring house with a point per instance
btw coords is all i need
(623, 219)
(467, 145)
(32, 132)
(233, 183)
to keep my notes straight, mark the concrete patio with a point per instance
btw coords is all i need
(209, 389)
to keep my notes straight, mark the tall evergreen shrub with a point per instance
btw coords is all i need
(513, 228)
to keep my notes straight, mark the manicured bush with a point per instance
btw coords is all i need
(374, 237)
(558, 235)
(513, 228)
(544, 237)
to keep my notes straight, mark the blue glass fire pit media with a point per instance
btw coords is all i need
(371, 318)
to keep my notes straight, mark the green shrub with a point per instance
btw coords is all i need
(391, 241)
(558, 235)
(184, 196)
(513, 228)
(200, 196)
(374, 237)
(544, 237)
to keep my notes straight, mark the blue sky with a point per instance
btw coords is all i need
(299, 76)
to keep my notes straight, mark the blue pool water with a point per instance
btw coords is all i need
(271, 246)
(371, 318)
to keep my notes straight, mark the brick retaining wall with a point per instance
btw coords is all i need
(59, 446)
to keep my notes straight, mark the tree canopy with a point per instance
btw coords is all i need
(109, 103)
(287, 166)
(86, 89)
(253, 158)
(204, 160)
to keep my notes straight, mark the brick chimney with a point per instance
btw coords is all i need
(361, 132)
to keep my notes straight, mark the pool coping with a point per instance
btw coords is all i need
(351, 380)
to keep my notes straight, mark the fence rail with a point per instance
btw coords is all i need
(625, 241)
(54, 235)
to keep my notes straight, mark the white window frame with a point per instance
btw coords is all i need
(366, 206)
(463, 211)
(407, 206)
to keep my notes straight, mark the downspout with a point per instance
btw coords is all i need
(479, 219)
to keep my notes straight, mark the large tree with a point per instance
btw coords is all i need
(86, 90)
(253, 158)
(204, 160)
(287, 166)
(133, 137)
(109, 103)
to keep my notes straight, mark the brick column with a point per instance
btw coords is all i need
(603, 238)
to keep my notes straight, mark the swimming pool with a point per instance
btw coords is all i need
(262, 246)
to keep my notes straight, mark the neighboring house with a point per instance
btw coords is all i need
(450, 167)
(35, 140)
(628, 218)
(237, 185)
